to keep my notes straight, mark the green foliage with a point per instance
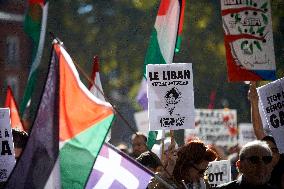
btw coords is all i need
(119, 31)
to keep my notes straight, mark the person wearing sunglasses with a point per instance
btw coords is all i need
(186, 166)
(254, 164)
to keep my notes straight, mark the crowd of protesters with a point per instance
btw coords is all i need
(256, 165)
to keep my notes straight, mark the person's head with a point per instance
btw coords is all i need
(139, 144)
(123, 147)
(20, 139)
(255, 162)
(272, 144)
(150, 160)
(192, 162)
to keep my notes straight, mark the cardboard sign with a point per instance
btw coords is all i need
(218, 172)
(248, 40)
(170, 96)
(272, 103)
(142, 121)
(246, 133)
(217, 126)
(7, 154)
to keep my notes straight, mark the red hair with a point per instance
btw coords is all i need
(191, 153)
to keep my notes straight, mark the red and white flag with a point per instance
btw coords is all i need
(14, 114)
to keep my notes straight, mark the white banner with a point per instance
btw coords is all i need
(142, 121)
(217, 126)
(170, 96)
(218, 172)
(248, 39)
(246, 133)
(7, 157)
(272, 103)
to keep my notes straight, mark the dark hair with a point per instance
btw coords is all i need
(191, 153)
(149, 159)
(269, 138)
(19, 138)
(139, 135)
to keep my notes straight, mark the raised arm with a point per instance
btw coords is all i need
(255, 116)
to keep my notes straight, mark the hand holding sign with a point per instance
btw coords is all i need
(272, 103)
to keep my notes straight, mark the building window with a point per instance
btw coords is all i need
(12, 50)
(13, 82)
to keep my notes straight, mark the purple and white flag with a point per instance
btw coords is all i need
(142, 95)
(115, 170)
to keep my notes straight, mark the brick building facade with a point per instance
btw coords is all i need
(15, 48)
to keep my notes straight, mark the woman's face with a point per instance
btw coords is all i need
(195, 172)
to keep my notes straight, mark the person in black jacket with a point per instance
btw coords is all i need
(254, 164)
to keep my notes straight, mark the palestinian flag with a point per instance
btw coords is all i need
(35, 27)
(169, 22)
(10, 102)
(69, 130)
(164, 42)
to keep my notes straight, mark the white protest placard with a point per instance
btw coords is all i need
(170, 96)
(248, 39)
(217, 126)
(272, 103)
(142, 121)
(7, 154)
(265, 124)
(246, 133)
(218, 172)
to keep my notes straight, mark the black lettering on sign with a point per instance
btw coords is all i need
(6, 133)
(171, 121)
(171, 75)
(6, 150)
(276, 121)
(3, 174)
(215, 177)
(154, 76)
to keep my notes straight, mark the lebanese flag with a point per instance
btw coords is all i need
(14, 114)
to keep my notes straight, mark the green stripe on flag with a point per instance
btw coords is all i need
(32, 28)
(178, 44)
(153, 55)
(77, 156)
(28, 92)
(152, 136)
